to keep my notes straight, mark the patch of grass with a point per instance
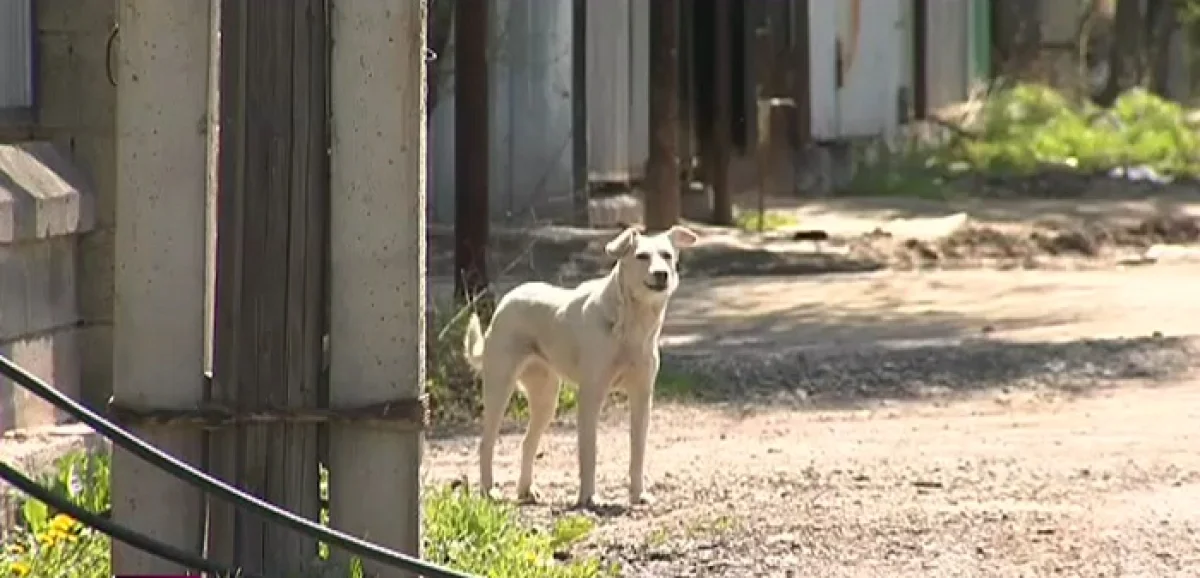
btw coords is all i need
(462, 530)
(704, 527)
(485, 537)
(675, 385)
(749, 220)
(691, 530)
(1028, 128)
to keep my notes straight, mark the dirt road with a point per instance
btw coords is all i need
(949, 424)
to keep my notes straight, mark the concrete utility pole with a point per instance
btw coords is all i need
(159, 289)
(471, 142)
(377, 238)
(272, 208)
(662, 169)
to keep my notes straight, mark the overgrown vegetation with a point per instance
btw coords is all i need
(462, 530)
(750, 220)
(1028, 128)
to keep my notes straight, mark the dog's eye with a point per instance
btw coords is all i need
(666, 255)
(642, 256)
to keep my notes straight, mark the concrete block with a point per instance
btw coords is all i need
(41, 194)
(54, 358)
(37, 287)
(95, 155)
(96, 364)
(57, 82)
(71, 64)
(95, 269)
(74, 16)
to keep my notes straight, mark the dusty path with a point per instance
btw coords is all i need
(966, 423)
(1016, 485)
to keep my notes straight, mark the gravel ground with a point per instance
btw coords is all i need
(956, 424)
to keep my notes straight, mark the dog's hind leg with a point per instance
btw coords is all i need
(499, 379)
(541, 384)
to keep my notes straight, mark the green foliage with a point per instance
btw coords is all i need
(485, 537)
(462, 530)
(50, 544)
(1029, 127)
(749, 220)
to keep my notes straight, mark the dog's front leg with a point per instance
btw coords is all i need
(590, 402)
(641, 398)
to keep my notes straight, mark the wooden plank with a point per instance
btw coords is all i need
(270, 270)
(158, 317)
(377, 239)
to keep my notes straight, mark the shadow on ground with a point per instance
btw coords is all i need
(833, 378)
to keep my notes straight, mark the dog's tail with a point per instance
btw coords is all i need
(473, 343)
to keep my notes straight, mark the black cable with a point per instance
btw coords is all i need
(197, 478)
(115, 531)
(108, 55)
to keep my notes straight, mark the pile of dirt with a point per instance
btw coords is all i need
(564, 254)
(1035, 246)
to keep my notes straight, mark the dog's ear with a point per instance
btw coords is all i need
(682, 237)
(623, 244)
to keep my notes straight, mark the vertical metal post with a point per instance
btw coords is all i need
(722, 135)
(471, 143)
(662, 171)
(579, 129)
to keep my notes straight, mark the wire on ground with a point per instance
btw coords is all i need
(111, 529)
(199, 479)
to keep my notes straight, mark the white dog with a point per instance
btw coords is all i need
(601, 334)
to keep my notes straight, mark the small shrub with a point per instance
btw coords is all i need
(1027, 128)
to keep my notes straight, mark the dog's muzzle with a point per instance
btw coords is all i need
(658, 281)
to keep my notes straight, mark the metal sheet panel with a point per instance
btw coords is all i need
(948, 59)
(16, 56)
(529, 94)
(609, 48)
(823, 35)
(873, 42)
(639, 87)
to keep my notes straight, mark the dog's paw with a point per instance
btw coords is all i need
(529, 496)
(642, 499)
(600, 508)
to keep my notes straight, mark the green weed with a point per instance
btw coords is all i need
(462, 530)
(749, 220)
(1028, 128)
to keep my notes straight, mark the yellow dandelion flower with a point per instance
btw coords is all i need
(19, 569)
(64, 523)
